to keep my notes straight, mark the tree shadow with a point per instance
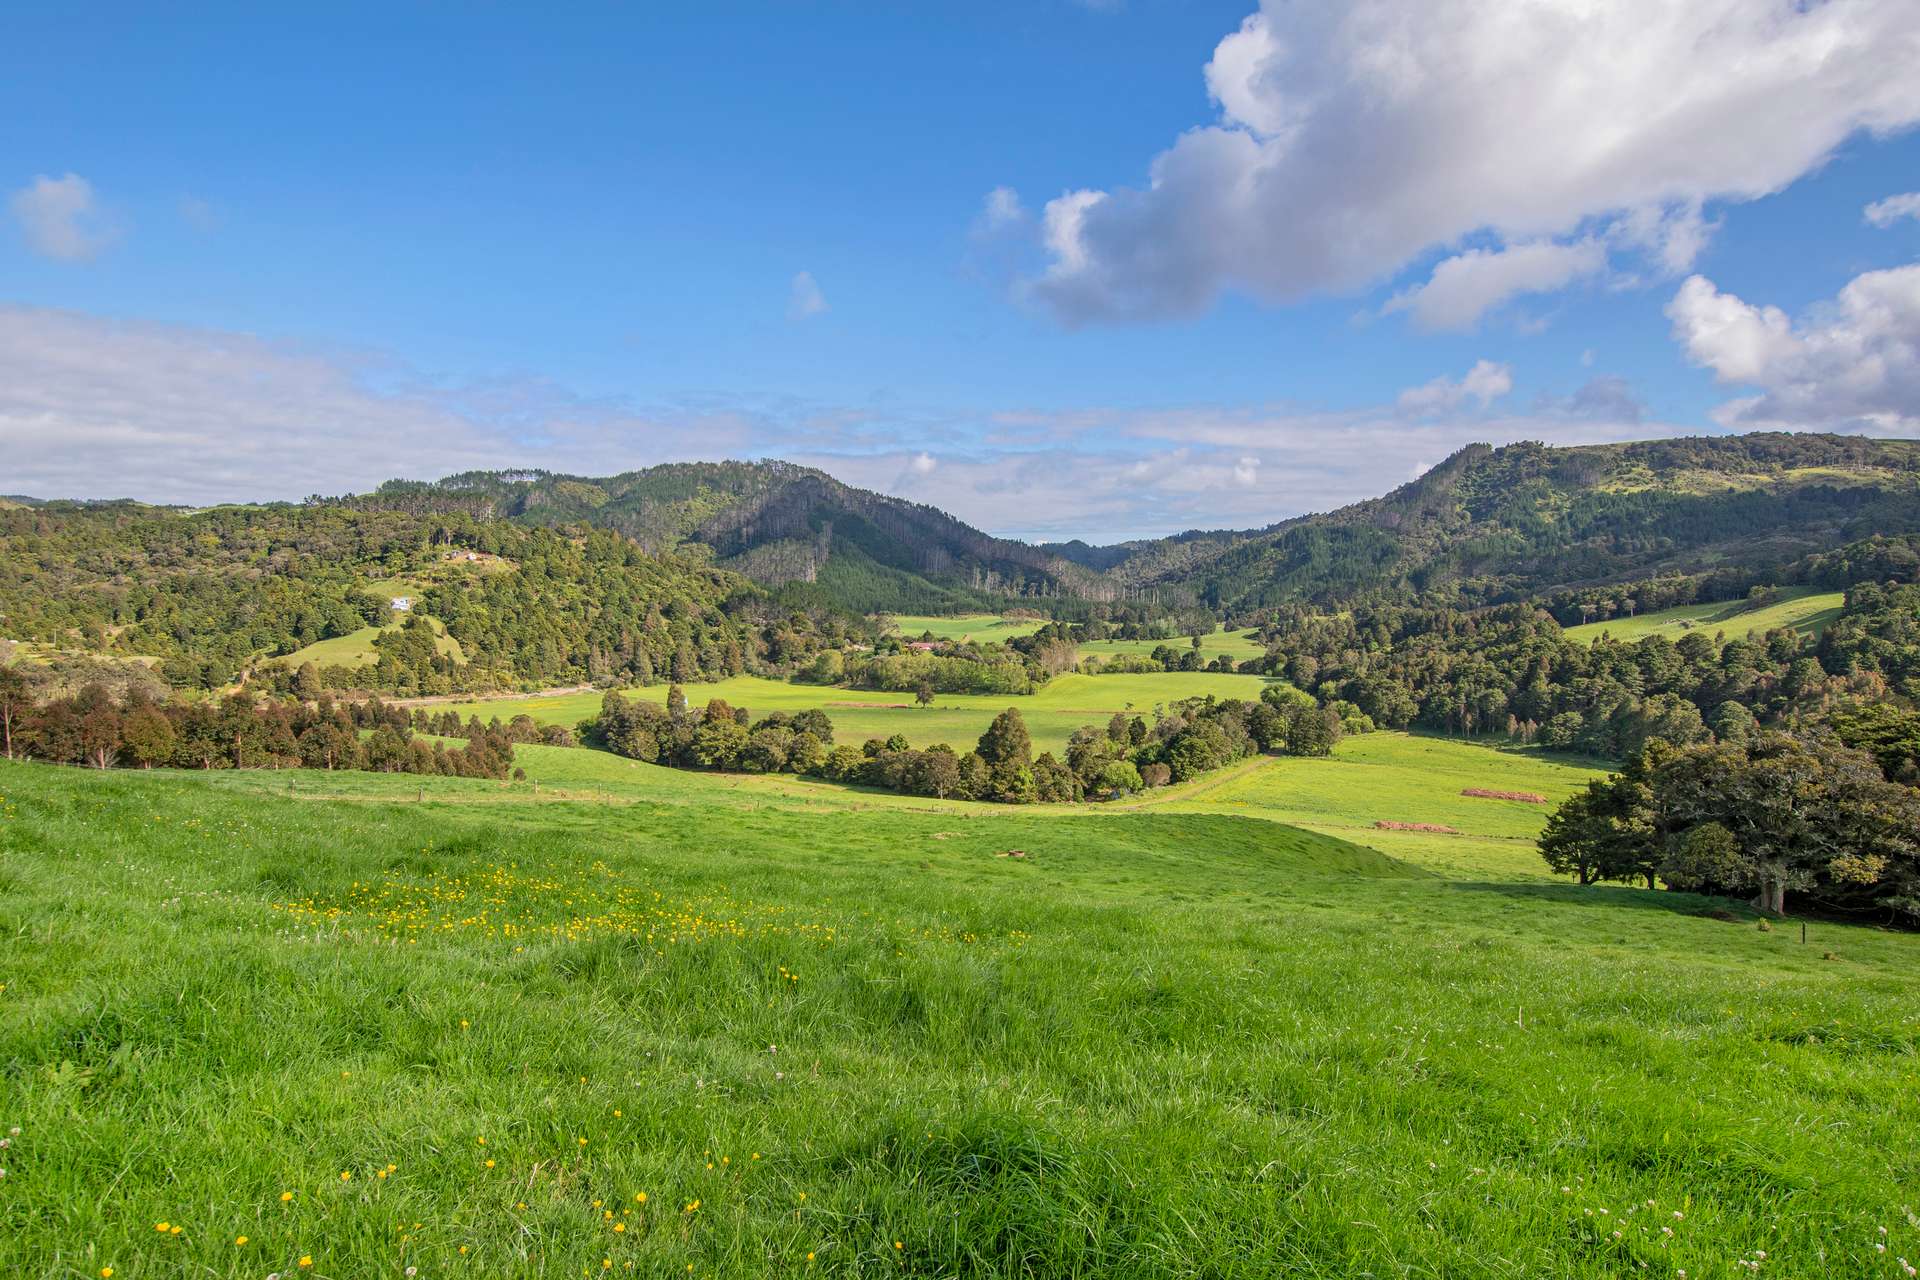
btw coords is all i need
(1614, 896)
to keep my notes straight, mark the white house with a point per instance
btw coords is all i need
(403, 603)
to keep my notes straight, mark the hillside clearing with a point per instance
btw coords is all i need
(1806, 612)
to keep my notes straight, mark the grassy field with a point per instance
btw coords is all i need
(826, 1036)
(355, 649)
(988, 626)
(1234, 644)
(1064, 704)
(1807, 612)
(977, 627)
(1396, 777)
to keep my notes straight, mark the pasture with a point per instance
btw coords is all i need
(1064, 704)
(729, 1027)
(1804, 611)
(979, 628)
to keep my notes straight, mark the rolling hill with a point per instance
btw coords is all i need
(777, 523)
(1496, 524)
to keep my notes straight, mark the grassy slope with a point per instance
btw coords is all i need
(355, 649)
(1807, 612)
(1404, 778)
(1166, 1044)
(1062, 705)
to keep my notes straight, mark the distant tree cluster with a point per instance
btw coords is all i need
(1190, 738)
(1163, 657)
(93, 727)
(1509, 672)
(1779, 813)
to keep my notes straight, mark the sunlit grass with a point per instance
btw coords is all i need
(1807, 612)
(1062, 705)
(798, 1022)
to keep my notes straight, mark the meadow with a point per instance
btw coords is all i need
(674, 1024)
(1801, 610)
(978, 628)
(1062, 705)
(984, 627)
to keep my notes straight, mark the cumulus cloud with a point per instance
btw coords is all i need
(1356, 135)
(91, 407)
(1884, 213)
(804, 298)
(1852, 363)
(1483, 384)
(61, 219)
(1468, 285)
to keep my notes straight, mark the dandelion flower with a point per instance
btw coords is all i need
(161, 1227)
(639, 1197)
(346, 1175)
(898, 1245)
(489, 1164)
(619, 1228)
(239, 1240)
(106, 1271)
(306, 1260)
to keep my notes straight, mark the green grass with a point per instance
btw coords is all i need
(1411, 779)
(1805, 611)
(1064, 704)
(1234, 643)
(977, 627)
(355, 649)
(1168, 1043)
(983, 627)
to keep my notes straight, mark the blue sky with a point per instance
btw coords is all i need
(256, 253)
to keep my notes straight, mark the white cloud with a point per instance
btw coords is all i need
(804, 298)
(61, 219)
(98, 408)
(91, 407)
(1001, 209)
(1884, 213)
(1851, 364)
(1483, 384)
(1356, 135)
(1468, 285)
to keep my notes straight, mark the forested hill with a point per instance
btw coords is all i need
(1489, 525)
(777, 523)
(380, 600)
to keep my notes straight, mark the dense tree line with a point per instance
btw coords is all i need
(94, 727)
(1193, 737)
(1875, 559)
(1509, 671)
(1807, 814)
